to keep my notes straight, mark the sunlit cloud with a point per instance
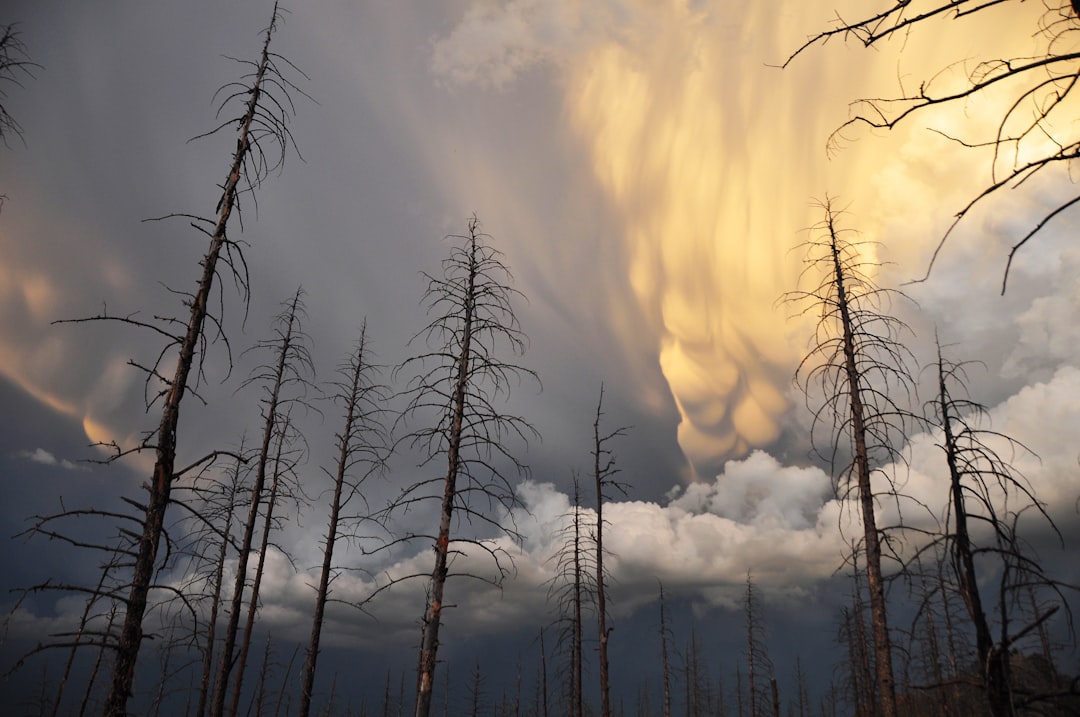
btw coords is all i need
(45, 458)
(712, 160)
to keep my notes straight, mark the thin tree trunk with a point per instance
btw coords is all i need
(601, 599)
(97, 665)
(751, 644)
(997, 688)
(77, 640)
(256, 583)
(345, 453)
(543, 674)
(215, 599)
(433, 620)
(665, 669)
(287, 680)
(578, 641)
(270, 429)
(871, 536)
(127, 648)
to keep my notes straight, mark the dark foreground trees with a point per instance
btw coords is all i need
(455, 394)
(261, 142)
(855, 363)
(604, 472)
(361, 452)
(982, 545)
(1035, 131)
(284, 380)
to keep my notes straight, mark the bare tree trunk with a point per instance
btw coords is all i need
(127, 648)
(476, 691)
(284, 682)
(994, 678)
(604, 471)
(92, 680)
(256, 582)
(802, 693)
(285, 352)
(215, 598)
(258, 699)
(871, 535)
(863, 664)
(665, 670)
(433, 619)
(751, 645)
(543, 674)
(352, 395)
(473, 317)
(95, 596)
(577, 657)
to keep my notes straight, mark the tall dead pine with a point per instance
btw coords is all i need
(460, 380)
(604, 472)
(361, 450)
(855, 364)
(284, 381)
(665, 672)
(261, 125)
(987, 496)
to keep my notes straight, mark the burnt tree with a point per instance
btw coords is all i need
(459, 384)
(855, 367)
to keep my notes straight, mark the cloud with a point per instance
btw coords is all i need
(42, 456)
(494, 43)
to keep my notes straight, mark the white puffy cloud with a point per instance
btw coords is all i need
(44, 457)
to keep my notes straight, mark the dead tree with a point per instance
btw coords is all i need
(221, 537)
(665, 672)
(361, 453)
(284, 380)
(604, 472)
(858, 364)
(1035, 131)
(459, 381)
(262, 140)
(541, 707)
(573, 591)
(987, 495)
(284, 463)
(759, 668)
(15, 64)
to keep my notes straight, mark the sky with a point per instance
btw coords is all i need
(649, 173)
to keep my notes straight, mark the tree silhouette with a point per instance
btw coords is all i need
(988, 497)
(284, 380)
(15, 64)
(856, 362)
(604, 472)
(574, 590)
(361, 447)
(262, 140)
(458, 383)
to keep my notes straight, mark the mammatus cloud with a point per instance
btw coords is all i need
(712, 159)
(667, 126)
